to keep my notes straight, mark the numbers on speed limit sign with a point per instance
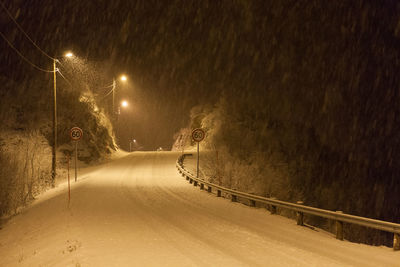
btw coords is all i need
(198, 135)
(76, 134)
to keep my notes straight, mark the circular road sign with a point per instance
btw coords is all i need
(198, 135)
(76, 133)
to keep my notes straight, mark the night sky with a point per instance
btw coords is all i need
(175, 53)
(178, 54)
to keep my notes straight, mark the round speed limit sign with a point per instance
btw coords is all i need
(198, 135)
(76, 134)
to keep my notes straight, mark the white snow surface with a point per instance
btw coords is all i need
(137, 211)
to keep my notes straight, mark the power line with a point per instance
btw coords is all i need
(22, 30)
(108, 86)
(59, 72)
(22, 56)
(108, 93)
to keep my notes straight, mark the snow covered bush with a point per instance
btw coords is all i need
(310, 145)
(25, 163)
(26, 134)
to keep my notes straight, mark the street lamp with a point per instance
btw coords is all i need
(124, 104)
(123, 78)
(130, 144)
(54, 148)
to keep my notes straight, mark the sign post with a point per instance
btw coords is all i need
(198, 136)
(182, 143)
(76, 160)
(76, 134)
(69, 186)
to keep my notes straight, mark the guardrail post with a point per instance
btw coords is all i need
(339, 228)
(190, 180)
(201, 186)
(234, 198)
(396, 241)
(195, 183)
(187, 178)
(272, 208)
(300, 215)
(218, 193)
(209, 189)
(252, 203)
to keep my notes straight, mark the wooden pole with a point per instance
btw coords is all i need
(76, 160)
(113, 100)
(69, 185)
(54, 148)
(198, 158)
(182, 145)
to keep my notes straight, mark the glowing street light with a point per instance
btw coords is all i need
(123, 78)
(130, 144)
(124, 104)
(54, 146)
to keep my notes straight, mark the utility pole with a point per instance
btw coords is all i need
(54, 148)
(113, 99)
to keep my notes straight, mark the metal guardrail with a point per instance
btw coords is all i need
(300, 209)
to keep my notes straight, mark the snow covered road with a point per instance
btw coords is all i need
(137, 211)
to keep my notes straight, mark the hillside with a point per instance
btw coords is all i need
(314, 116)
(26, 136)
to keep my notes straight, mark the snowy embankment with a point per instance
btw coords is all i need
(137, 210)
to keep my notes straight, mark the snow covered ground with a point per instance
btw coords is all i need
(137, 211)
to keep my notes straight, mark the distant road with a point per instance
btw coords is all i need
(137, 211)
